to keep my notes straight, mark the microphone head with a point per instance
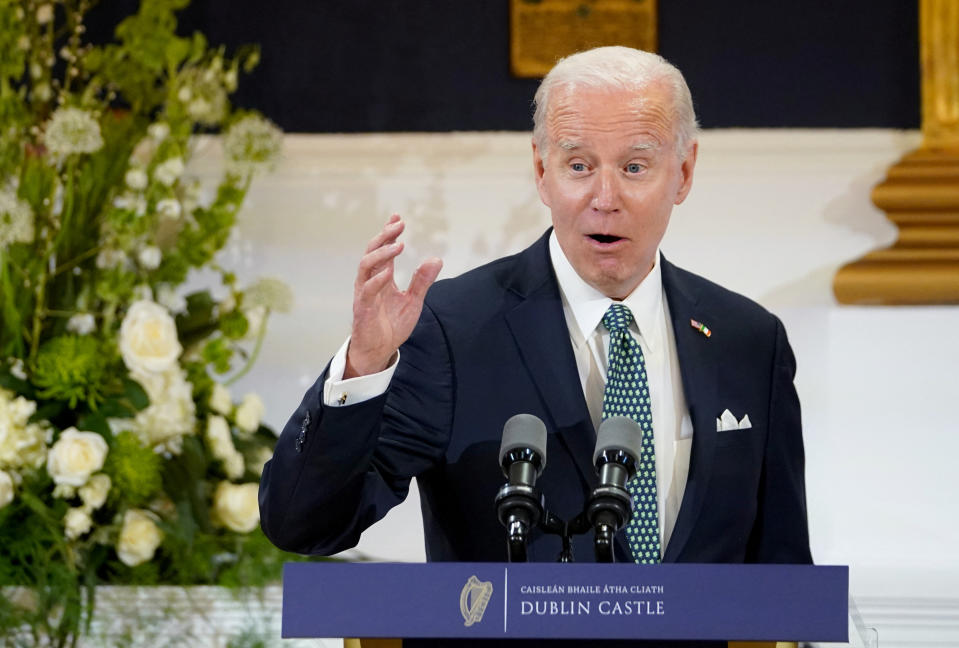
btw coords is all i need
(521, 432)
(619, 433)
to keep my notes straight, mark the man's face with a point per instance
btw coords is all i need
(610, 179)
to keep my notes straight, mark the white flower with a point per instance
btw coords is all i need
(143, 152)
(249, 413)
(236, 506)
(204, 95)
(108, 258)
(170, 299)
(220, 442)
(77, 522)
(139, 537)
(16, 220)
(158, 131)
(75, 456)
(136, 179)
(16, 369)
(169, 208)
(220, 399)
(23, 43)
(22, 443)
(42, 92)
(44, 13)
(170, 414)
(262, 456)
(169, 170)
(143, 292)
(150, 257)
(270, 293)
(252, 144)
(184, 94)
(72, 130)
(6, 489)
(148, 338)
(255, 319)
(81, 324)
(94, 492)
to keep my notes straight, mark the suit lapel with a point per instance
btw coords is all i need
(538, 326)
(699, 363)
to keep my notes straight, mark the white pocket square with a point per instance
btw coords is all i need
(728, 422)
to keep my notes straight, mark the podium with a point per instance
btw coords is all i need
(566, 601)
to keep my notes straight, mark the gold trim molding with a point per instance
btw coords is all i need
(920, 194)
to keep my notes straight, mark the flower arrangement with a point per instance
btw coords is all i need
(123, 456)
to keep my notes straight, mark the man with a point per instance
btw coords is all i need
(429, 375)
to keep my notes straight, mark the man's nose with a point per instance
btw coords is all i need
(606, 191)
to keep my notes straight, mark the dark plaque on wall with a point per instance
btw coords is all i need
(543, 31)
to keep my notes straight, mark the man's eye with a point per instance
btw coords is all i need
(578, 167)
(634, 168)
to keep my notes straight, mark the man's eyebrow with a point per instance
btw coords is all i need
(567, 145)
(645, 146)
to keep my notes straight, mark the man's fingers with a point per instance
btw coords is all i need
(376, 283)
(374, 261)
(424, 277)
(393, 228)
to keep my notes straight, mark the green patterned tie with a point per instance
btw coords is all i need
(627, 394)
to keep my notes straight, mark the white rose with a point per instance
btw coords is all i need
(6, 488)
(139, 537)
(75, 456)
(148, 339)
(150, 257)
(81, 324)
(94, 492)
(168, 171)
(220, 400)
(218, 437)
(236, 506)
(249, 413)
(233, 465)
(136, 179)
(169, 208)
(77, 522)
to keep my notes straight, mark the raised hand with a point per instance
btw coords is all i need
(384, 315)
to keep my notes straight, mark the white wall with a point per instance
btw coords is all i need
(772, 214)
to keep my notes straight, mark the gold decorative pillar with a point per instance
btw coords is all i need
(921, 192)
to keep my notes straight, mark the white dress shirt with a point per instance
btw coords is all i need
(584, 307)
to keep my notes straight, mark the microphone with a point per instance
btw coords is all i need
(522, 457)
(619, 443)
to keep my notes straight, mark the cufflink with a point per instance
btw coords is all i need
(301, 437)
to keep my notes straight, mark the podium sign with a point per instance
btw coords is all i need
(566, 601)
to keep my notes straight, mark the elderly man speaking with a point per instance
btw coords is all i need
(589, 317)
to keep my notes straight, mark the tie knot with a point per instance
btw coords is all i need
(617, 318)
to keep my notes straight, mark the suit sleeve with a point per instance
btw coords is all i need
(781, 532)
(337, 470)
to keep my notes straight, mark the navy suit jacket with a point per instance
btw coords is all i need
(493, 343)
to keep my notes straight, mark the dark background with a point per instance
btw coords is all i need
(441, 65)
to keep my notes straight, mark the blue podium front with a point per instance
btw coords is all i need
(566, 601)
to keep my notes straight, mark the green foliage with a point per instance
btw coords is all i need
(133, 469)
(70, 368)
(101, 222)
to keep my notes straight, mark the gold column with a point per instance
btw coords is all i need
(921, 192)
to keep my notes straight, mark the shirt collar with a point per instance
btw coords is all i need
(587, 305)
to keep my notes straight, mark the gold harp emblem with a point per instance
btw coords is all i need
(473, 599)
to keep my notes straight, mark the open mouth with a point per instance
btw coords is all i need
(605, 238)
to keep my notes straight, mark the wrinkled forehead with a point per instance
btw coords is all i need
(575, 108)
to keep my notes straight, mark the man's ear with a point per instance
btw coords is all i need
(539, 172)
(686, 171)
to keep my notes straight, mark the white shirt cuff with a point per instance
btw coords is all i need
(338, 392)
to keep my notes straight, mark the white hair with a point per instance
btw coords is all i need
(617, 68)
